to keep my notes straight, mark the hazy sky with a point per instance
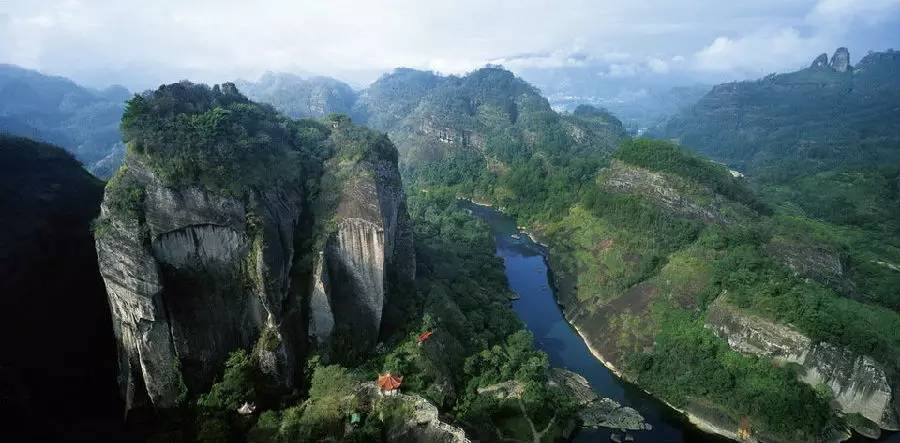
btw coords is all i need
(142, 44)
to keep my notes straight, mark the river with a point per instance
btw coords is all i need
(528, 276)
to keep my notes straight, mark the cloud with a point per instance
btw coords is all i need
(760, 52)
(658, 66)
(827, 25)
(845, 12)
(142, 44)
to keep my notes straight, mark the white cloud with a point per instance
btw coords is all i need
(761, 52)
(827, 25)
(844, 12)
(658, 66)
(144, 43)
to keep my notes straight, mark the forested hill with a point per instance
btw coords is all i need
(821, 143)
(489, 110)
(815, 119)
(488, 134)
(53, 109)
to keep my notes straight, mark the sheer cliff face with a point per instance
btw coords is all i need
(195, 272)
(369, 251)
(195, 275)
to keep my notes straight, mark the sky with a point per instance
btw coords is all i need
(141, 44)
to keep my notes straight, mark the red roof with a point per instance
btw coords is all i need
(389, 382)
(425, 336)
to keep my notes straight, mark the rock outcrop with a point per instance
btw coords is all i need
(666, 190)
(596, 411)
(858, 382)
(196, 268)
(840, 61)
(423, 425)
(816, 262)
(195, 275)
(370, 248)
(820, 62)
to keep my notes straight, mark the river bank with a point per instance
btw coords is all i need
(529, 275)
(517, 244)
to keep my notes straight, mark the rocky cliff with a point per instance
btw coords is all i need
(193, 275)
(368, 249)
(198, 264)
(859, 383)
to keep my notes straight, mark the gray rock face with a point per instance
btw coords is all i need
(820, 61)
(195, 275)
(858, 382)
(666, 190)
(812, 261)
(597, 411)
(424, 425)
(840, 61)
(370, 248)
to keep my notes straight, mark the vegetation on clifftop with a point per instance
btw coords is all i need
(193, 134)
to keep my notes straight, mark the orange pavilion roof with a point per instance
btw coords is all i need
(389, 382)
(425, 336)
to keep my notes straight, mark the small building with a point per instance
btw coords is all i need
(423, 337)
(389, 384)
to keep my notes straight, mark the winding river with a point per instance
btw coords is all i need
(528, 276)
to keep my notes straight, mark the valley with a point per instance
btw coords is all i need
(294, 260)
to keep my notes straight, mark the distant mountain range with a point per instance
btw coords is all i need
(54, 109)
(829, 114)
(300, 97)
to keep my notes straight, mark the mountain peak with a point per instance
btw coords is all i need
(820, 61)
(840, 61)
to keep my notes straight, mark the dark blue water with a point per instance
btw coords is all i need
(528, 276)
